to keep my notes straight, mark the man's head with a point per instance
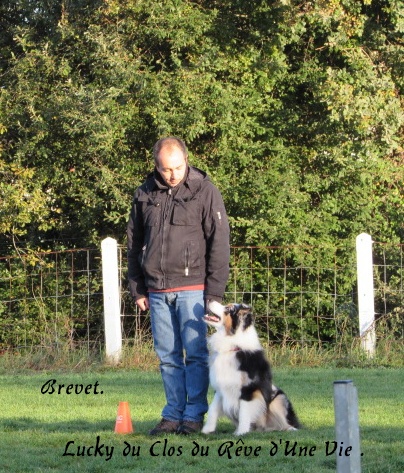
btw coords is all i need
(171, 159)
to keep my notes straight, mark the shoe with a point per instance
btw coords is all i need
(189, 427)
(165, 426)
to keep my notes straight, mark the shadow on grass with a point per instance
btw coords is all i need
(77, 425)
(80, 426)
(10, 425)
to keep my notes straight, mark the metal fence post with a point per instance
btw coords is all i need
(364, 259)
(112, 301)
(347, 427)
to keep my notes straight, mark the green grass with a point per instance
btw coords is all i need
(35, 428)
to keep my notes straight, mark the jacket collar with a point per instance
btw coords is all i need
(193, 180)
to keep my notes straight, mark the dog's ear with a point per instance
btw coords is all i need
(245, 306)
(247, 315)
(248, 320)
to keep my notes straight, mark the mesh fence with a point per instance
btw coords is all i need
(304, 295)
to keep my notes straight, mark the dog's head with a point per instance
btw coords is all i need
(231, 317)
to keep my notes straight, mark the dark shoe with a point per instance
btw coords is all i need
(165, 426)
(189, 427)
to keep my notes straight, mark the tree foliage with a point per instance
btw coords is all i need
(294, 108)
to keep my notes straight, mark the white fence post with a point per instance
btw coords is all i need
(112, 301)
(366, 302)
(347, 446)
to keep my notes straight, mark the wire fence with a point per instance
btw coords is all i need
(304, 295)
(300, 295)
(51, 299)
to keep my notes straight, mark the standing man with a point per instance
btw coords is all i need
(178, 259)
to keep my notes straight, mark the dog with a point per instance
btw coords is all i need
(241, 376)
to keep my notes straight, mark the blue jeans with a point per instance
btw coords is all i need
(180, 342)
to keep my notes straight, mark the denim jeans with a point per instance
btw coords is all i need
(179, 335)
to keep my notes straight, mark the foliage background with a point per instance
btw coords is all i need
(294, 108)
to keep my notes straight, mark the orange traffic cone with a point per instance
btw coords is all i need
(123, 424)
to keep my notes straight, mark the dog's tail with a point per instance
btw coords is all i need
(281, 415)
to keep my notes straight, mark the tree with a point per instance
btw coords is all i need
(294, 109)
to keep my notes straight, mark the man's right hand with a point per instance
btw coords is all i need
(143, 303)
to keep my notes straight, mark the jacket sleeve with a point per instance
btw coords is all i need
(135, 233)
(217, 234)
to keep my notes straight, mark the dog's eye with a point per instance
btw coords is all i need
(229, 309)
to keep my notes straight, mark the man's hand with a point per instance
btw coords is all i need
(143, 303)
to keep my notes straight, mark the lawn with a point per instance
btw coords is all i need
(51, 432)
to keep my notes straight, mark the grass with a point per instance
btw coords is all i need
(140, 355)
(35, 428)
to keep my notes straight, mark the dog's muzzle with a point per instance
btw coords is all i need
(211, 318)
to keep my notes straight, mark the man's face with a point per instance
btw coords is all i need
(171, 165)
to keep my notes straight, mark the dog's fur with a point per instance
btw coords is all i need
(241, 376)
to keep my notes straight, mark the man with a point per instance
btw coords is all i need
(178, 259)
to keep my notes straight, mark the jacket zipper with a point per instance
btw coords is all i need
(165, 216)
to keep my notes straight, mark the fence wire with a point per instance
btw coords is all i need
(302, 295)
(51, 299)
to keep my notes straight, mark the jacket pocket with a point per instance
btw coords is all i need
(191, 259)
(142, 256)
(151, 210)
(186, 212)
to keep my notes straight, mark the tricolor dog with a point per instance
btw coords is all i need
(241, 375)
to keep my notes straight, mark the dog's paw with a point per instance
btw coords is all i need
(206, 429)
(240, 432)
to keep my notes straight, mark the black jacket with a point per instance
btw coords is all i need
(178, 236)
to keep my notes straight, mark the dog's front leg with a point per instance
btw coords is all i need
(244, 418)
(215, 410)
